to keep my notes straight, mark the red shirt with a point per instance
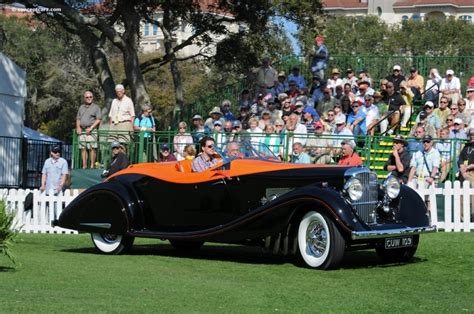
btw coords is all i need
(352, 160)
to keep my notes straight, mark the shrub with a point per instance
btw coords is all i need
(7, 232)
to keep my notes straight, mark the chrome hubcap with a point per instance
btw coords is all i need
(110, 238)
(316, 238)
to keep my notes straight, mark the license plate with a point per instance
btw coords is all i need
(395, 243)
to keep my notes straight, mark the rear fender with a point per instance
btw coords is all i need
(105, 208)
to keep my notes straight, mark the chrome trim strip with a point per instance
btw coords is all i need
(390, 233)
(102, 225)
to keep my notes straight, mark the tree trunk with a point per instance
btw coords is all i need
(131, 20)
(175, 72)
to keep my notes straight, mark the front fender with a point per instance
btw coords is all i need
(107, 207)
(327, 199)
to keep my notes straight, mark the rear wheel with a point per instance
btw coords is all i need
(320, 243)
(186, 245)
(401, 255)
(112, 243)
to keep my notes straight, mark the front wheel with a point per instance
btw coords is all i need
(401, 255)
(112, 243)
(320, 243)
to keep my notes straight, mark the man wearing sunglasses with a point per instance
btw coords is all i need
(425, 164)
(205, 159)
(54, 173)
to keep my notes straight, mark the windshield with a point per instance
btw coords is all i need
(245, 150)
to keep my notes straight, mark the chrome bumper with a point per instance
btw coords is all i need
(390, 233)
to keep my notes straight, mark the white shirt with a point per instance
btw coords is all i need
(453, 84)
(121, 110)
(371, 113)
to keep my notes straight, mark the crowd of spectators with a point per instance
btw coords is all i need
(321, 121)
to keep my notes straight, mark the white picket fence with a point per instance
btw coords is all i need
(456, 199)
(45, 209)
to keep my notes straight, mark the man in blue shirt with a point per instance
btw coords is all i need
(297, 77)
(55, 170)
(356, 120)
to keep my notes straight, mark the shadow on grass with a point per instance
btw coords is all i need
(369, 259)
(250, 255)
(4, 269)
(233, 253)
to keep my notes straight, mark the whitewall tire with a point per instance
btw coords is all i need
(111, 243)
(319, 241)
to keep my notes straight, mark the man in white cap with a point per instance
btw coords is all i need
(451, 87)
(341, 133)
(396, 77)
(431, 117)
(121, 115)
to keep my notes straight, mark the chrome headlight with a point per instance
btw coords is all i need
(391, 187)
(354, 189)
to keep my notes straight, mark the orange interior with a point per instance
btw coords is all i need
(180, 172)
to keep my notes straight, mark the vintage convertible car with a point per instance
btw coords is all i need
(316, 212)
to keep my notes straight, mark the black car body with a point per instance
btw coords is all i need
(314, 211)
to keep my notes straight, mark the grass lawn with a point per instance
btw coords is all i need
(62, 273)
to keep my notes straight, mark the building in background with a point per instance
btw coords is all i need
(12, 107)
(396, 11)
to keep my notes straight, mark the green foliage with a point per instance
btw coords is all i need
(370, 35)
(7, 234)
(57, 69)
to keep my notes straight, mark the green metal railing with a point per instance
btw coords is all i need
(374, 150)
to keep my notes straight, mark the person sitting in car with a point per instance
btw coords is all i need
(205, 159)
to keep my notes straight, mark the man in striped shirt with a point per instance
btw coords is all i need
(206, 158)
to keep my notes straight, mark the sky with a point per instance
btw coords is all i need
(290, 28)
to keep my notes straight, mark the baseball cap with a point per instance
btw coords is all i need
(217, 122)
(413, 69)
(349, 70)
(115, 145)
(427, 138)
(319, 39)
(340, 119)
(397, 67)
(470, 89)
(457, 121)
(119, 87)
(282, 73)
(429, 104)
(197, 117)
(449, 72)
(236, 123)
(310, 110)
(299, 104)
(55, 149)
(423, 115)
(165, 147)
(400, 139)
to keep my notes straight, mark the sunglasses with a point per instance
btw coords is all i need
(449, 119)
(443, 102)
(182, 128)
(88, 97)
(115, 148)
(454, 108)
(354, 106)
(278, 126)
(210, 146)
(424, 142)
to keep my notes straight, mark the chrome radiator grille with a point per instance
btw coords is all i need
(365, 207)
